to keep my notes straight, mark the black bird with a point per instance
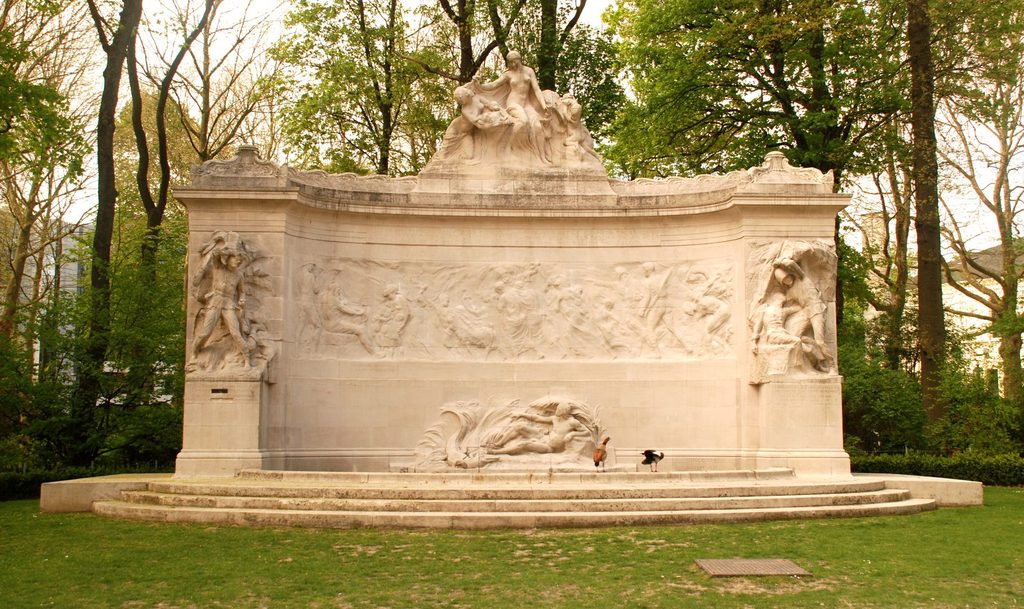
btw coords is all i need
(651, 457)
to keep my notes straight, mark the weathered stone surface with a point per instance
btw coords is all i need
(441, 321)
(503, 500)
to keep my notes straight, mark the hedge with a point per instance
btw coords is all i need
(994, 470)
(25, 485)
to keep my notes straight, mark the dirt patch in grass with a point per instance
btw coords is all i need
(772, 586)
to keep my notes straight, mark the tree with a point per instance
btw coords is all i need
(156, 205)
(719, 83)
(925, 176)
(554, 32)
(982, 126)
(115, 39)
(357, 89)
(33, 112)
(41, 151)
(883, 218)
(227, 84)
(479, 28)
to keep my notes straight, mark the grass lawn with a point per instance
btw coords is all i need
(965, 557)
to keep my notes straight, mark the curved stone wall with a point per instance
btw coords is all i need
(431, 323)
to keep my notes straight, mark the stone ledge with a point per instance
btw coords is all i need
(79, 495)
(946, 492)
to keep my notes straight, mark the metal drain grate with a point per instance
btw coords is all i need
(744, 567)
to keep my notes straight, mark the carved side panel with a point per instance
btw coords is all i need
(792, 311)
(229, 332)
(355, 309)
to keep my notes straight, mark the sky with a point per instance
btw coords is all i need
(276, 10)
(591, 12)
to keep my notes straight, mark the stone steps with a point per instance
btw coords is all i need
(467, 478)
(510, 505)
(490, 520)
(509, 493)
(505, 500)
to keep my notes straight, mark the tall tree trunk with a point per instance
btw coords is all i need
(1010, 331)
(12, 295)
(931, 323)
(547, 57)
(1009, 359)
(89, 374)
(156, 206)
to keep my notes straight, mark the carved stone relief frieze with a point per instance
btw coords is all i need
(792, 332)
(355, 309)
(553, 432)
(229, 333)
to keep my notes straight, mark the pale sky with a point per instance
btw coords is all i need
(591, 12)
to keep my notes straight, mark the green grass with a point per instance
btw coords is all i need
(964, 557)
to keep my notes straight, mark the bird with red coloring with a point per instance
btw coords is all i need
(601, 454)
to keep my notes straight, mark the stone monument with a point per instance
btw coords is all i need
(508, 307)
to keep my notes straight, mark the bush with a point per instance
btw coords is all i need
(977, 418)
(25, 485)
(996, 470)
(881, 407)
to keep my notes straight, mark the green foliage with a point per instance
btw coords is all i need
(34, 118)
(25, 484)
(977, 418)
(24, 401)
(881, 406)
(587, 70)
(882, 411)
(1005, 469)
(719, 83)
(137, 418)
(356, 88)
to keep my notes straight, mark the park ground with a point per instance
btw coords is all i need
(952, 557)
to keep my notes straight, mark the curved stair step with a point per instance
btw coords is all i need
(522, 492)
(513, 477)
(491, 520)
(507, 505)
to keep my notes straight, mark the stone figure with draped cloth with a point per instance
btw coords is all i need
(512, 121)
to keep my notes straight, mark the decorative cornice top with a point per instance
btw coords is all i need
(351, 181)
(680, 185)
(516, 189)
(246, 169)
(777, 170)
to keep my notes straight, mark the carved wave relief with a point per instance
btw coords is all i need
(362, 309)
(556, 433)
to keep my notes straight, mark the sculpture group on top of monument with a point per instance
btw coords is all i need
(788, 322)
(228, 332)
(360, 308)
(511, 119)
(553, 432)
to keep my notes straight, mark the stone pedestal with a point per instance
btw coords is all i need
(800, 424)
(223, 430)
(514, 188)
